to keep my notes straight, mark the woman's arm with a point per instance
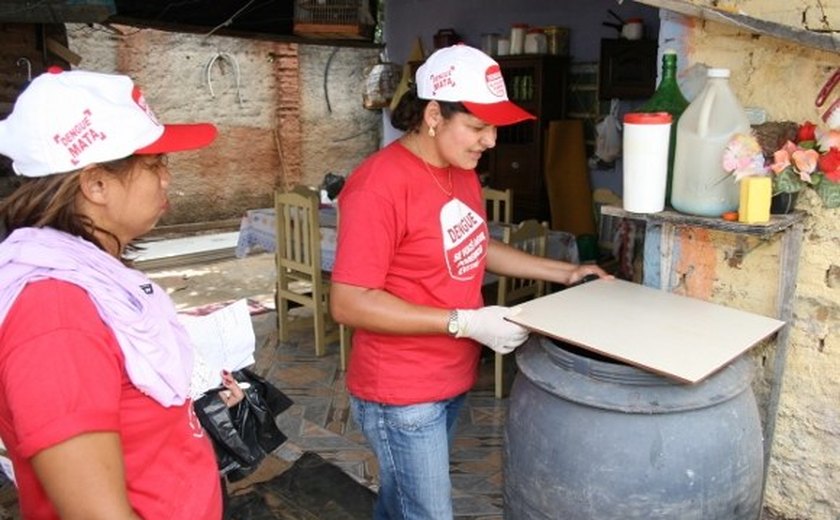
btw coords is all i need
(379, 311)
(84, 477)
(505, 260)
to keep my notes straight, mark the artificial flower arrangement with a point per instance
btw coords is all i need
(812, 159)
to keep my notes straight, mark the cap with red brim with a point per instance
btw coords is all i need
(181, 137)
(498, 114)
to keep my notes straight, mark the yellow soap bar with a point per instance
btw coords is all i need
(755, 200)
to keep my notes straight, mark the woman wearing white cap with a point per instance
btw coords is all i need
(413, 246)
(95, 369)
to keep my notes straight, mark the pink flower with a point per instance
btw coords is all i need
(781, 157)
(742, 157)
(813, 163)
(805, 162)
(827, 140)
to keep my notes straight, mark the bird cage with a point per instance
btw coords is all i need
(334, 19)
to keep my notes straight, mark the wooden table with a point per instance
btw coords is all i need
(258, 232)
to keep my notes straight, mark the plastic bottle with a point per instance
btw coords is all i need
(701, 186)
(668, 98)
(517, 38)
(645, 165)
(535, 41)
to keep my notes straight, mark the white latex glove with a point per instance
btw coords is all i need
(488, 326)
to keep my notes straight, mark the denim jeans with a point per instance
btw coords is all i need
(412, 445)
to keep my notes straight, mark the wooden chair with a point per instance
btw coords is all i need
(530, 236)
(499, 205)
(300, 279)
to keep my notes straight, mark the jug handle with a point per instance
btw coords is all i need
(705, 112)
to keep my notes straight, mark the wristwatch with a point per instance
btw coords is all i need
(452, 327)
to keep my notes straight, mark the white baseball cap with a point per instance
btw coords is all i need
(66, 120)
(461, 73)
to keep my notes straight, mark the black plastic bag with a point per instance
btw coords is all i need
(243, 434)
(332, 184)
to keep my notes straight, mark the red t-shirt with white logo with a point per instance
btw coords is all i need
(402, 233)
(62, 374)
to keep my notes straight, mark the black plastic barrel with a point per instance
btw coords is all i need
(590, 439)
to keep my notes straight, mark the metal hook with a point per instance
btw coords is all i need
(224, 56)
(24, 60)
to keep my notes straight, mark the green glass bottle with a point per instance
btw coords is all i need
(668, 98)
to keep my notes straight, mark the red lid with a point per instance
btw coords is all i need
(633, 20)
(648, 118)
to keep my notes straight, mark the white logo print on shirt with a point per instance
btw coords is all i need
(464, 239)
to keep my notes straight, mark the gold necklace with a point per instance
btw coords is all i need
(449, 170)
(451, 189)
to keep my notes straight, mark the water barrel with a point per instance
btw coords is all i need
(590, 439)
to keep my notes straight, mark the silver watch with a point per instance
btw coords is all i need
(452, 327)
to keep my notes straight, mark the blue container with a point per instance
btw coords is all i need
(591, 439)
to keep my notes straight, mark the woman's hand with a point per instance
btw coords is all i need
(233, 393)
(579, 272)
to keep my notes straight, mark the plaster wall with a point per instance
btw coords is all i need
(784, 79)
(337, 131)
(272, 129)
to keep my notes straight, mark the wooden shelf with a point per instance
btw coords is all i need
(777, 224)
(825, 41)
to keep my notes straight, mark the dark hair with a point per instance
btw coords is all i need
(408, 115)
(50, 201)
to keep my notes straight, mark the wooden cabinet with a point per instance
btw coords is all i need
(628, 68)
(537, 83)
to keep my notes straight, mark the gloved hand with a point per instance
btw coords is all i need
(488, 326)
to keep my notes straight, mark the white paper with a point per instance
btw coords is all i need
(6, 467)
(223, 340)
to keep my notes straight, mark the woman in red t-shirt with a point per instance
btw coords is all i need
(413, 246)
(95, 370)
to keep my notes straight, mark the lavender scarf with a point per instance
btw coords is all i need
(157, 350)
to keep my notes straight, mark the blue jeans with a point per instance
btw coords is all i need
(412, 445)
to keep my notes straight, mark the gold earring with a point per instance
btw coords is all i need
(431, 131)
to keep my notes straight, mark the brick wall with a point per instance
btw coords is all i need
(273, 130)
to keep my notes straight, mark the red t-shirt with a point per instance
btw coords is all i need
(400, 232)
(62, 374)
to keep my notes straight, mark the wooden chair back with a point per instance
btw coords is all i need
(530, 236)
(499, 204)
(300, 280)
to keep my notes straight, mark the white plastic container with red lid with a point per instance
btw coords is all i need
(645, 162)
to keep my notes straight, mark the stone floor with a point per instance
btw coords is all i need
(319, 420)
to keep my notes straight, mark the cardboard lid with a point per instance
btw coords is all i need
(676, 336)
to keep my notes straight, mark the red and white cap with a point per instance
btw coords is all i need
(464, 74)
(66, 120)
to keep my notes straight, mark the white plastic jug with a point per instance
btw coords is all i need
(701, 186)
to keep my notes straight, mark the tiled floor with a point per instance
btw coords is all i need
(319, 421)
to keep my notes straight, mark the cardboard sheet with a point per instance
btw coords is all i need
(675, 336)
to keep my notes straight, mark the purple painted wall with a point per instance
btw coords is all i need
(406, 20)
